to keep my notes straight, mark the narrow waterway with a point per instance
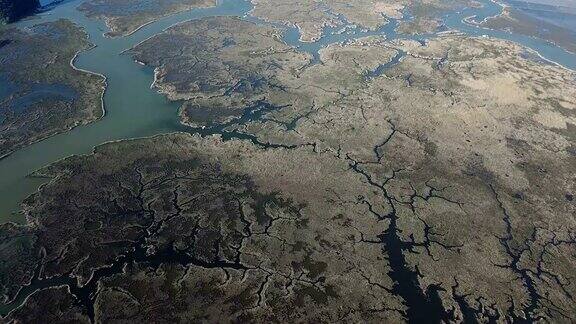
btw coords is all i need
(132, 108)
(135, 110)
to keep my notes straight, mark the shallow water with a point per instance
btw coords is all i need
(135, 110)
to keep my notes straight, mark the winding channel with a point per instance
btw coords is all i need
(135, 110)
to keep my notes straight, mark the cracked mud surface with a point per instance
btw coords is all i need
(41, 93)
(336, 191)
(203, 217)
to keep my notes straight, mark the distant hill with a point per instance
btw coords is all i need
(12, 10)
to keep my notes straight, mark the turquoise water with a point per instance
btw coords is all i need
(132, 108)
(135, 110)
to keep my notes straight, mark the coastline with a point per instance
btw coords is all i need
(469, 20)
(111, 33)
(79, 122)
(502, 12)
(475, 25)
(153, 85)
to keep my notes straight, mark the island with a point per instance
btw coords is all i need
(123, 17)
(41, 92)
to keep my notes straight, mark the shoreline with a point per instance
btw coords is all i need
(54, 178)
(469, 20)
(80, 122)
(502, 12)
(112, 34)
(158, 90)
(475, 25)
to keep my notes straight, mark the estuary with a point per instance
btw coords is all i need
(133, 109)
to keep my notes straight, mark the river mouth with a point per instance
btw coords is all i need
(134, 110)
